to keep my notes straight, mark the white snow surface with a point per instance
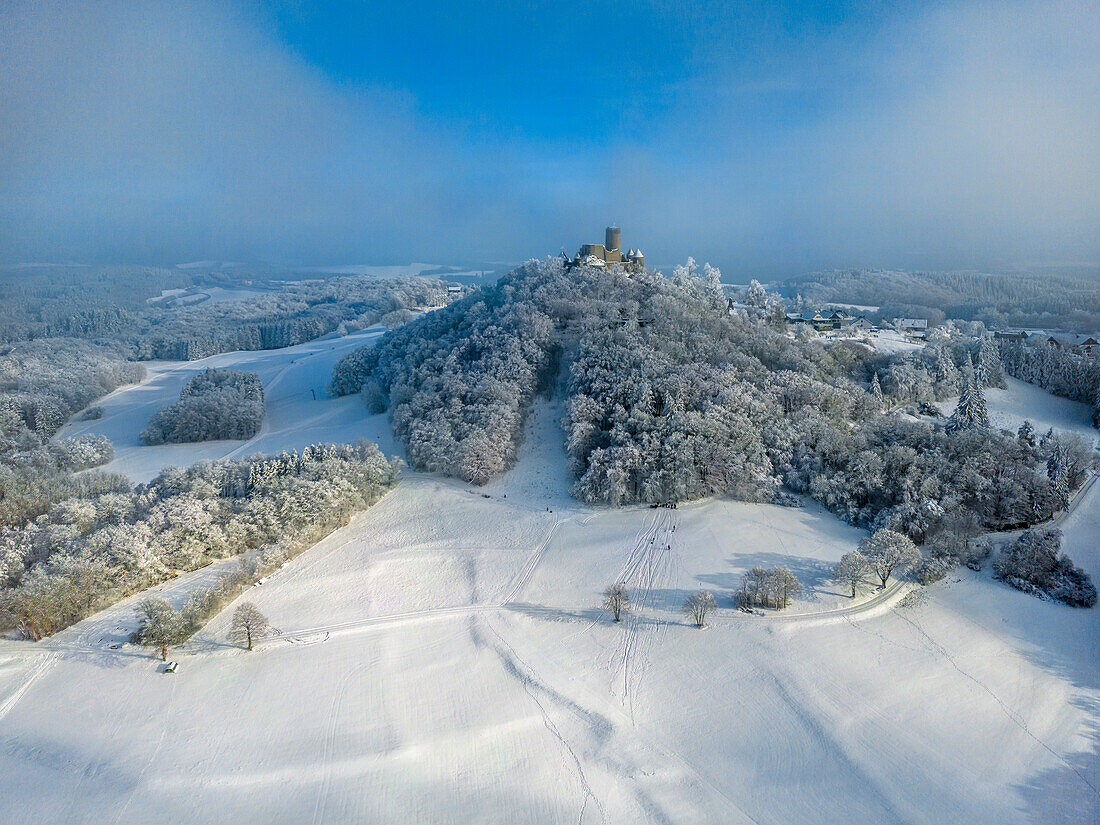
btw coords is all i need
(1009, 407)
(299, 411)
(443, 659)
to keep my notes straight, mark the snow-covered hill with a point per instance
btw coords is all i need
(443, 659)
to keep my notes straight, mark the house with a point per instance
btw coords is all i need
(916, 328)
(1019, 335)
(821, 321)
(1083, 344)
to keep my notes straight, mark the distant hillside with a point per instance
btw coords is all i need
(1058, 301)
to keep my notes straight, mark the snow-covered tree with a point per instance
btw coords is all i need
(888, 552)
(852, 570)
(698, 605)
(161, 625)
(755, 295)
(1026, 434)
(1034, 563)
(876, 393)
(970, 411)
(990, 370)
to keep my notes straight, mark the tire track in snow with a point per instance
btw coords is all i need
(647, 562)
(39, 669)
(529, 568)
(321, 802)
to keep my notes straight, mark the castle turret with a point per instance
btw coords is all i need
(613, 238)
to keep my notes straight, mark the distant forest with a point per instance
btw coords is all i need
(1054, 301)
(118, 304)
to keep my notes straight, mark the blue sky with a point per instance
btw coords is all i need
(766, 138)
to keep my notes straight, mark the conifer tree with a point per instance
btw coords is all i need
(876, 393)
(1026, 434)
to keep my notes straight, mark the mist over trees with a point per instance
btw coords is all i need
(124, 305)
(1051, 301)
(214, 404)
(293, 314)
(87, 552)
(79, 301)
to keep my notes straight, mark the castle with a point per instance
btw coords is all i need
(609, 252)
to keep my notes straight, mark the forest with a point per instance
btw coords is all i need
(99, 545)
(670, 397)
(214, 404)
(1064, 301)
(120, 306)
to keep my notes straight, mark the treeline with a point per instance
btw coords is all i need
(459, 382)
(43, 382)
(1057, 301)
(80, 301)
(214, 404)
(293, 315)
(88, 552)
(1062, 372)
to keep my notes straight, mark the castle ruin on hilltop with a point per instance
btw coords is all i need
(610, 252)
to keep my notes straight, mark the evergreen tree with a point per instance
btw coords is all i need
(876, 393)
(970, 412)
(981, 411)
(1058, 473)
(1026, 434)
(945, 372)
(990, 369)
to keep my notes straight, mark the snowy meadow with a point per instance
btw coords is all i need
(437, 647)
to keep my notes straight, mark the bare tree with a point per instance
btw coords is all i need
(784, 586)
(616, 599)
(162, 625)
(887, 551)
(851, 570)
(248, 622)
(698, 605)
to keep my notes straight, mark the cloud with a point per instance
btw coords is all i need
(965, 136)
(148, 131)
(956, 135)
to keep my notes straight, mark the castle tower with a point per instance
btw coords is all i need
(613, 239)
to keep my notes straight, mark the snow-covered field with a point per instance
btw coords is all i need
(1009, 407)
(891, 341)
(299, 410)
(443, 659)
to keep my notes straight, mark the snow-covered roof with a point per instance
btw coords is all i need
(913, 323)
(1068, 339)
